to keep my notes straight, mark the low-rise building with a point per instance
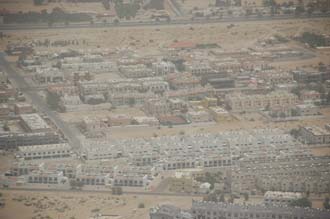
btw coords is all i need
(10, 141)
(314, 135)
(310, 96)
(240, 103)
(3, 78)
(281, 198)
(163, 68)
(198, 116)
(183, 80)
(169, 212)
(220, 114)
(46, 177)
(119, 120)
(48, 151)
(4, 110)
(199, 68)
(34, 123)
(23, 108)
(213, 210)
(308, 110)
(49, 75)
(136, 71)
(130, 180)
(157, 107)
(7, 92)
(146, 120)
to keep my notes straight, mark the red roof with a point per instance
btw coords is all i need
(183, 45)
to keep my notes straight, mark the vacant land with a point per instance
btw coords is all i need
(68, 205)
(149, 40)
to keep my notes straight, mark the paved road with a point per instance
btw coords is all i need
(104, 192)
(9, 27)
(38, 102)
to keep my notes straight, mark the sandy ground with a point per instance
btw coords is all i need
(244, 123)
(321, 151)
(81, 205)
(150, 39)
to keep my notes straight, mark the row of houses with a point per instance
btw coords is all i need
(215, 210)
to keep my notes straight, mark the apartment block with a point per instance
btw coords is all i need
(314, 135)
(49, 151)
(34, 123)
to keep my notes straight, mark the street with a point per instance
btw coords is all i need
(38, 102)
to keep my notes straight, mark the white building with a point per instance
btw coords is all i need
(47, 151)
(315, 135)
(163, 68)
(34, 123)
(280, 198)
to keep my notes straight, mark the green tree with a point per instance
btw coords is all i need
(246, 196)
(117, 190)
(302, 202)
(74, 184)
(131, 102)
(38, 2)
(326, 203)
(53, 100)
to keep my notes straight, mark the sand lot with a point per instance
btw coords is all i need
(68, 205)
(83, 205)
(195, 128)
(149, 40)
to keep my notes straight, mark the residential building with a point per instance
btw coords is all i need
(130, 180)
(280, 198)
(169, 212)
(34, 123)
(3, 78)
(308, 110)
(163, 68)
(136, 71)
(48, 151)
(199, 68)
(198, 116)
(146, 120)
(220, 115)
(45, 177)
(157, 107)
(49, 75)
(183, 80)
(4, 110)
(214, 210)
(240, 103)
(23, 108)
(314, 135)
(10, 141)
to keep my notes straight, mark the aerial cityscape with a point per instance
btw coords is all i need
(164, 109)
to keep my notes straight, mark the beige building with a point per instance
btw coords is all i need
(157, 107)
(315, 135)
(240, 102)
(220, 115)
(23, 108)
(45, 151)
